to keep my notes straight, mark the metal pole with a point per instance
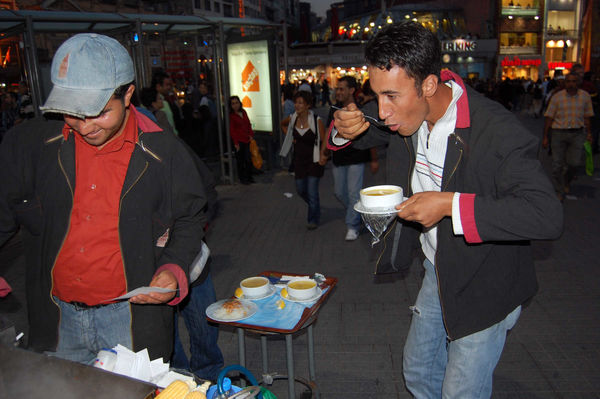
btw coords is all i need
(285, 53)
(218, 90)
(32, 66)
(311, 359)
(225, 78)
(543, 64)
(265, 354)
(242, 352)
(196, 56)
(140, 58)
(289, 355)
(278, 139)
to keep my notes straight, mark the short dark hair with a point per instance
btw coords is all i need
(288, 91)
(408, 45)
(148, 95)
(305, 95)
(120, 91)
(159, 77)
(366, 88)
(350, 81)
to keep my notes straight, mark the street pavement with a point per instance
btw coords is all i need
(553, 351)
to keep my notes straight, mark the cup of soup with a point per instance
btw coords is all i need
(302, 288)
(254, 286)
(385, 196)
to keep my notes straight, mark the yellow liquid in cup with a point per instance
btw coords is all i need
(381, 192)
(302, 285)
(254, 282)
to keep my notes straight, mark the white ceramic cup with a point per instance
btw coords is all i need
(254, 286)
(302, 288)
(385, 196)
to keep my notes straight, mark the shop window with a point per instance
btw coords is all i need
(521, 4)
(562, 5)
(521, 7)
(561, 23)
(519, 43)
(561, 50)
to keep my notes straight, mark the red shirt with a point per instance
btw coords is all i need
(240, 128)
(90, 267)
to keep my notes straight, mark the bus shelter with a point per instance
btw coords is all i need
(140, 33)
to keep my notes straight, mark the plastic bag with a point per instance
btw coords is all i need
(589, 160)
(257, 160)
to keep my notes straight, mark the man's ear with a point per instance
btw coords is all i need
(429, 85)
(128, 94)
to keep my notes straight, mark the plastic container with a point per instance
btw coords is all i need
(227, 387)
(106, 359)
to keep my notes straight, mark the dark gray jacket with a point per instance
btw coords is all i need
(162, 189)
(496, 159)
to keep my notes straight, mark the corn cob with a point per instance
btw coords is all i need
(176, 390)
(195, 395)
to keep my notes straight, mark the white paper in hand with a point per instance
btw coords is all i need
(141, 290)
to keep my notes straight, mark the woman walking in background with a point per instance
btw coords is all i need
(306, 132)
(241, 133)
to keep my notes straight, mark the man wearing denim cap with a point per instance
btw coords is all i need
(108, 202)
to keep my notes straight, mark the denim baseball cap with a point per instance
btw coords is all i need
(86, 70)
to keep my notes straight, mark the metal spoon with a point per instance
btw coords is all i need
(377, 122)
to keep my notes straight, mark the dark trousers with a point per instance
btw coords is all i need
(244, 163)
(206, 358)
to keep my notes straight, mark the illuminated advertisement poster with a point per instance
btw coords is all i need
(249, 80)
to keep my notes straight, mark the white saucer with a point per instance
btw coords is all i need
(313, 298)
(358, 207)
(248, 307)
(270, 291)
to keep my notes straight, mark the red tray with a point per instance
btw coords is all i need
(308, 316)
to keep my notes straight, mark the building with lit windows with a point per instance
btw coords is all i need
(337, 49)
(520, 29)
(562, 33)
(538, 37)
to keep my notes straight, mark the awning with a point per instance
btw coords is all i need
(72, 21)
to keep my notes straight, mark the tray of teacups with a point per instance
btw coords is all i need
(284, 301)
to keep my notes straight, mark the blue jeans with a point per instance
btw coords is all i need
(435, 367)
(83, 332)
(308, 190)
(206, 358)
(347, 183)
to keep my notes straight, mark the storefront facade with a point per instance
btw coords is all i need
(469, 58)
(520, 38)
(472, 59)
(562, 33)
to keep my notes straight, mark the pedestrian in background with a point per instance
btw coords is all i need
(24, 103)
(306, 132)
(349, 163)
(287, 93)
(325, 93)
(163, 84)
(568, 123)
(8, 112)
(152, 104)
(240, 130)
